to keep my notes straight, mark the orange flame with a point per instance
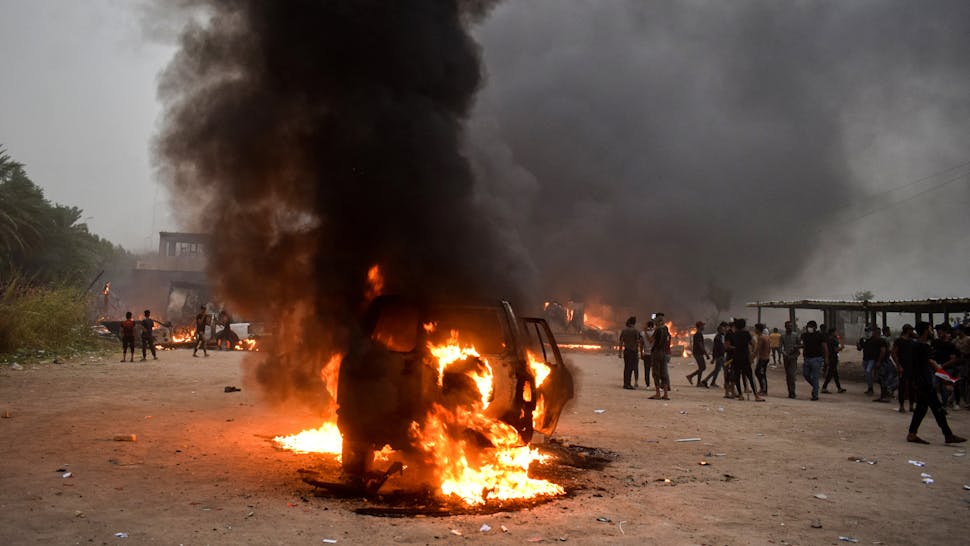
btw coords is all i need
(375, 282)
(325, 439)
(492, 463)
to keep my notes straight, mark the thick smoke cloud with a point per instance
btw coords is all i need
(665, 152)
(316, 140)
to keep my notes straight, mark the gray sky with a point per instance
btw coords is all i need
(599, 118)
(78, 107)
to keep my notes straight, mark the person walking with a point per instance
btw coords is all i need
(147, 339)
(700, 355)
(127, 337)
(763, 354)
(815, 350)
(659, 355)
(631, 343)
(924, 368)
(202, 320)
(743, 345)
(789, 354)
(717, 356)
(832, 368)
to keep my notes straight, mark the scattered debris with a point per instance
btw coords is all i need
(66, 475)
(848, 539)
(78, 514)
(126, 438)
(330, 540)
(863, 460)
(822, 496)
(620, 527)
(604, 519)
(688, 440)
(816, 524)
(456, 532)
(927, 480)
(16, 367)
(599, 411)
(535, 539)
(230, 388)
(960, 454)
(917, 463)
(704, 463)
(967, 487)
(504, 528)
(682, 412)
(484, 528)
(121, 535)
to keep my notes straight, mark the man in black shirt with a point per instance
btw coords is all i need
(742, 343)
(659, 355)
(700, 353)
(815, 351)
(902, 352)
(631, 344)
(717, 355)
(924, 367)
(147, 339)
(874, 354)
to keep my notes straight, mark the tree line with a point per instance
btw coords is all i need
(44, 243)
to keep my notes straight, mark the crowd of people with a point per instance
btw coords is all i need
(925, 366)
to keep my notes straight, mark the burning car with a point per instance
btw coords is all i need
(430, 377)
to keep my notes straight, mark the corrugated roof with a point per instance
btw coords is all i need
(952, 305)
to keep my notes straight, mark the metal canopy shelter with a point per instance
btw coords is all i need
(871, 309)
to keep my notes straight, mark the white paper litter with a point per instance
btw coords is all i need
(967, 487)
(484, 528)
(66, 475)
(688, 440)
(121, 535)
(927, 481)
(330, 540)
(848, 539)
(822, 496)
(599, 411)
(925, 475)
(917, 463)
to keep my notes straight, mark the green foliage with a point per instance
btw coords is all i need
(48, 318)
(43, 242)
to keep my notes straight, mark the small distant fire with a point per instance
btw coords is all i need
(475, 457)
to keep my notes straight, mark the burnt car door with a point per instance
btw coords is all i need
(556, 388)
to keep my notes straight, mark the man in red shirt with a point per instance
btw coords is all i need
(127, 337)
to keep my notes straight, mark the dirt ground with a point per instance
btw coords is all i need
(203, 470)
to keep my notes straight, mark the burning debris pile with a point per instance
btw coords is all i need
(320, 142)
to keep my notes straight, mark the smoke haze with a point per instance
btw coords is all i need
(675, 156)
(665, 152)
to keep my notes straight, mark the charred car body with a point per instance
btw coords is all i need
(392, 380)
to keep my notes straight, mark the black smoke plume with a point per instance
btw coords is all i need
(658, 154)
(317, 139)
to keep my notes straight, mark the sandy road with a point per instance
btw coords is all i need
(202, 470)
